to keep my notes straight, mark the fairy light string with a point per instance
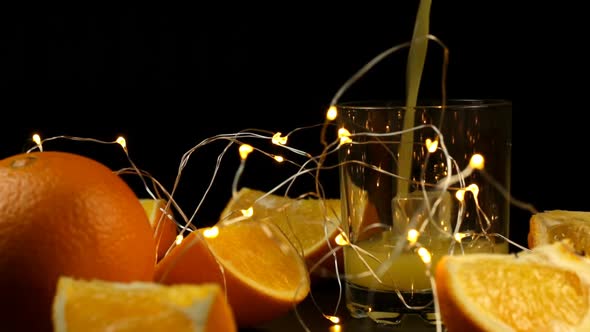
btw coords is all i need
(310, 164)
(252, 141)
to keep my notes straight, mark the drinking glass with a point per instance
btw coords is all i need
(418, 183)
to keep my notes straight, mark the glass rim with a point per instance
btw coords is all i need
(454, 103)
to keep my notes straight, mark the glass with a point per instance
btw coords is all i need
(414, 192)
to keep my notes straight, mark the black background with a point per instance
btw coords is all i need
(167, 78)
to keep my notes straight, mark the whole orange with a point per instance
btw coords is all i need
(64, 214)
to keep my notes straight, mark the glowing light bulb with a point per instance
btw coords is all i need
(122, 142)
(473, 188)
(341, 240)
(460, 236)
(431, 145)
(477, 161)
(344, 136)
(247, 213)
(413, 236)
(211, 232)
(332, 113)
(245, 150)
(179, 239)
(279, 159)
(460, 194)
(37, 140)
(277, 139)
(424, 255)
(333, 319)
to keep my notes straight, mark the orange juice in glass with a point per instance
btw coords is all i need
(398, 227)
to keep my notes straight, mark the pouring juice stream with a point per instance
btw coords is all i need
(408, 268)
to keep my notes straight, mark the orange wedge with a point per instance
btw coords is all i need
(263, 275)
(162, 223)
(555, 225)
(545, 289)
(94, 305)
(310, 224)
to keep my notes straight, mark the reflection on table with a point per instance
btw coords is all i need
(323, 299)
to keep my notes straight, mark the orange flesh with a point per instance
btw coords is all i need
(530, 299)
(575, 231)
(146, 309)
(277, 272)
(302, 220)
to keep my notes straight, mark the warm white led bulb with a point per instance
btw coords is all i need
(248, 213)
(211, 232)
(424, 255)
(473, 188)
(37, 139)
(413, 236)
(277, 139)
(344, 136)
(341, 240)
(459, 236)
(245, 150)
(460, 194)
(477, 161)
(122, 142)
(332, 113)
(431, 145)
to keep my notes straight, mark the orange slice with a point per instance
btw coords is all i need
(555, 225)
(545, 289)
(163, 224)
(263, 275)
(94, 305)
(310, 224)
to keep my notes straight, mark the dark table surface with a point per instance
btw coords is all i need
(323, 299)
